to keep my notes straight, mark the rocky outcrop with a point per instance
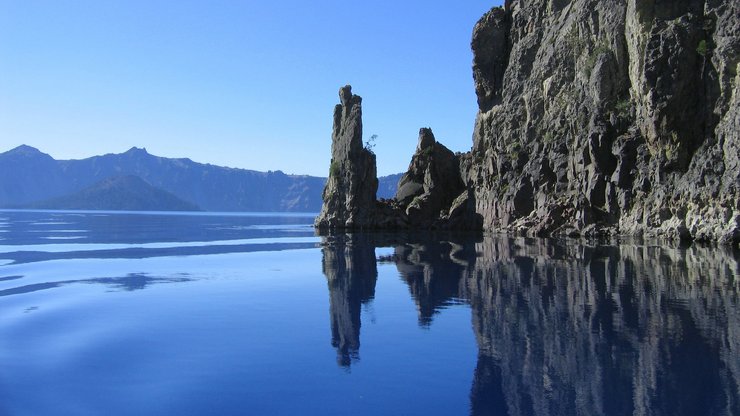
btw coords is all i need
(617, 116)
(430, 195)
(349, 195)
(595, 117)
(427, 192)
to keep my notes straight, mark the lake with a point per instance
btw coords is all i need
(116, 313)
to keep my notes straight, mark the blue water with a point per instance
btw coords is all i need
(110, 313)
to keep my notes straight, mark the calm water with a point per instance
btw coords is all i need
(166, 314)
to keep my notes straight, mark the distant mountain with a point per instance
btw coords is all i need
(28, 175)
(118, 193)
(387, 186)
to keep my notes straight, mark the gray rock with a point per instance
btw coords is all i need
(349, 195)
(595, 117)
(617, 116)
(428, 189)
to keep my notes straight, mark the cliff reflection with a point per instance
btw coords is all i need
(567, 328)
(629, 329)
(351, 271)
(433, 273)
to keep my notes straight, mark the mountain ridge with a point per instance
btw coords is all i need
(118, 193)
(207, 186)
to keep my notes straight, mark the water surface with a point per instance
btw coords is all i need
(153, 313)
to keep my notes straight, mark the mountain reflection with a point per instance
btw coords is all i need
(565, 328)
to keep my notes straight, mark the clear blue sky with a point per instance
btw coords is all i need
(248, 84)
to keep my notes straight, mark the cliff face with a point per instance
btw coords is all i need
(616, 116)
(595, 117)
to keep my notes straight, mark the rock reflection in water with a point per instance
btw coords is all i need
(350, 268)
(565, 328)
(629, 329)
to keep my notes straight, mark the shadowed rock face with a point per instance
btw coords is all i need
(349, 195)
(491, 54)
(617, 116)
(429, 187)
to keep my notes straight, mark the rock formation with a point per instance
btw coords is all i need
(430, 195)
(617, 116)
(349, 195)
(432, 182)
(595, 117)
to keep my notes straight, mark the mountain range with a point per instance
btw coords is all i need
(138, 180)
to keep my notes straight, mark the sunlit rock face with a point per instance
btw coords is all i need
(595, 118)
(349, 195)
(617, 116)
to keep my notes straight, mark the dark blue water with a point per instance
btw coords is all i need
(192, 314)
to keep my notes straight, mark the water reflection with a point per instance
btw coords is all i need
(565, 328)
(129, 283)
(434, 272)
(349, 265)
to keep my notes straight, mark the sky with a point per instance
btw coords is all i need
(243, 84)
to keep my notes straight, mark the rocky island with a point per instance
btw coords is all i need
(616, 117)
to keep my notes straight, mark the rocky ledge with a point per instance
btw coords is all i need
(616, 117)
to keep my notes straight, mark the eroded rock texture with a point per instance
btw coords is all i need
(349, 195)
(431, 195)
(615, 116)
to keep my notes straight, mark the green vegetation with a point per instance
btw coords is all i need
(548, 137)
(370, 144)
(590, 63)
(513, 150)
(574, 41)
(703, 48)
(623, 108)
(334, 169)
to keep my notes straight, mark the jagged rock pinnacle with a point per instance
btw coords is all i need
(349, 195)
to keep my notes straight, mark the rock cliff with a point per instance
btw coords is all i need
(617, 116)
(595, 117)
